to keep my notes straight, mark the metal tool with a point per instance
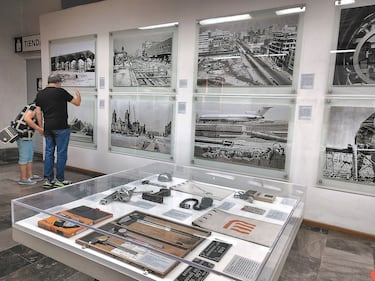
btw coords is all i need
(148, 182)
(121, 195)
(139, 239)
(136, 217)
(156, 197)
(105, 240)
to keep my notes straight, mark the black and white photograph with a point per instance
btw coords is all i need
(244, 134)
(82, 119)
(39, 84)
(255, 52)
(350, 144)
(74, 59)
(355, 60)
(142, 59)
(142, 123)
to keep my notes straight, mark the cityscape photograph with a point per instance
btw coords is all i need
(81, 121)
(142, 125)
(350, 145)
(255, 52)
(74, 59)
(144, 60)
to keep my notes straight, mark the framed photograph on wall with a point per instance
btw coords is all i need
(142, 125)
(74, 59)
(350, 148)
(260, 51)
(39, 84)
(348, 154)
(82, 121)
(246, 133)
(355, 57)
(144, 59)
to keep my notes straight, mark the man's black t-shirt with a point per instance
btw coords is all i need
(53, 102)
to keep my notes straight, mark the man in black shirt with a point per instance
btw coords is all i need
(52, 103)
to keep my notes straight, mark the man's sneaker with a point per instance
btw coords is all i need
(48, 185)
(26, 182)
(61, 183)
(58, 184)
(36, 178)
(66, 182)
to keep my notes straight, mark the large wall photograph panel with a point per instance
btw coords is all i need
(355, 62)
(142, 123)
(143, 58)
(242, 133)
(248, 53)
(82, 120)
(74, 59)
(350, 145)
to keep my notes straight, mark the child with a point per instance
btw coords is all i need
(25, 124)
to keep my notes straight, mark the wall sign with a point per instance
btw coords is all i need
(18, 45)
(307, 81)
(27, 43)
(304, 112)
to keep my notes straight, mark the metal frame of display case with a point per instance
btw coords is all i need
(186, 182)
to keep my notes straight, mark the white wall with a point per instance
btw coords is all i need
(327, 206)
(32, 9)
(34, 71)
(17, 18)
(12, 66)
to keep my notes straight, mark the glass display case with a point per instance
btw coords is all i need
(165, 222)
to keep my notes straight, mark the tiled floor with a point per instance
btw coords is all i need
(16, 261)
(316, 255)
(321, 255)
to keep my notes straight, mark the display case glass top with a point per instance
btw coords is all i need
(165, 222)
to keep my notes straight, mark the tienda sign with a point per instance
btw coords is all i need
(27, 43)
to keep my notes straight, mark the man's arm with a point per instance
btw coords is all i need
(39, 119)
(28, 117)
(77, 99)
